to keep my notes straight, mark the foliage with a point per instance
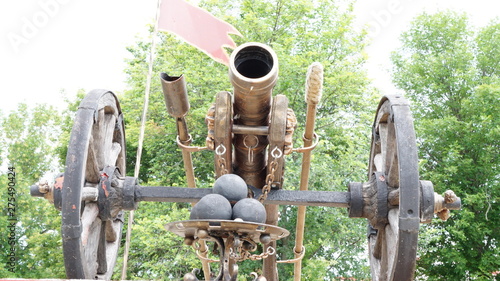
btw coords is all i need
(28, 137)
(450, 71)
(300, 32)
(447, 68)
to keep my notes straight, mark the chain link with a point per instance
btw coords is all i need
(269, 181)
(245, 255)
(221, 161)
(269, 252)
(238, 257)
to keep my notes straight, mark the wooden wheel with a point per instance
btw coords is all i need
(91, 227)
(394, 165)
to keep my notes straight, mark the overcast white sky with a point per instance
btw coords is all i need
(50, 45)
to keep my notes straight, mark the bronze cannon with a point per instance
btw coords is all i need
(250, 132)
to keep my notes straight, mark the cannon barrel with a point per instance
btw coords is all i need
(253, 72)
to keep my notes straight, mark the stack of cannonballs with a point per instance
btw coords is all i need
(229, 202)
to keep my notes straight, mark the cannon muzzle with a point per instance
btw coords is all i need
(253, 71)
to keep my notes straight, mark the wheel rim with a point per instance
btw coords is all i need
(392, 247)
(96, 153)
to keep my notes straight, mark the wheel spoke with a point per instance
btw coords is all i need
(391, 158)
(383, 146)
(102, 264)
(92, 167)
(103, 132)
(377, 247)
(113, 231)
(110, 232)
(113, 155)
(374, 262)
(392, 238)
(109, 130)
(89, 215)
(91, 230)
(378, 160)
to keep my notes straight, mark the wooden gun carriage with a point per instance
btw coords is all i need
(250, 132)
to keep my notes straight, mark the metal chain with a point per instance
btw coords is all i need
(245, 255)
(210, 121)
(221, 161)
(241, 256)
(269, 180)
(269, 252)
(222, 164)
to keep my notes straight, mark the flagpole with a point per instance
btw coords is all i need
(141, 136)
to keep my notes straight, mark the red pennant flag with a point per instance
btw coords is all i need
(198, 28)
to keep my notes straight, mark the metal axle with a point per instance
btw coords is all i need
(362, 199)
(275, 197)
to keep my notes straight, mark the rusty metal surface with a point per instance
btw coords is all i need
(253, 72)
(175, 94)
(276, 150)
(275, 197)
(222, 228)
(223, 121)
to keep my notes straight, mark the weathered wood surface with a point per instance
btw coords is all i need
(276, 149)
(223, 140)
(98, 139)
(392, 250)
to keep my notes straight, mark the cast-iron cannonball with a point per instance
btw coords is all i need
(231, 186)
(211, 207)
(249, 209)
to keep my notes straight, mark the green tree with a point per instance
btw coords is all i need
(450, 72)
(300, 32)
(28, 137)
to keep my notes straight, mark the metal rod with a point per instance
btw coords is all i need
(141, 136)
(185, 139)
(177, 102)
(314, 82)
(251, 130)
(337, 199)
